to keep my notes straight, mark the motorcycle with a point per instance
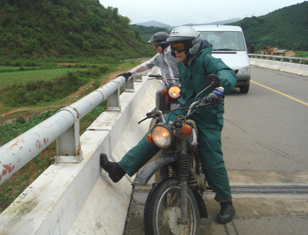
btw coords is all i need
(174, 204)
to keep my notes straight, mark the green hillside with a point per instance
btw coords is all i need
(146, 32)
(286, 28)
(66, 29)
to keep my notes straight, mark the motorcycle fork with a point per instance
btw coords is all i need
(183, 175)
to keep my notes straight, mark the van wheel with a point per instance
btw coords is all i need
(244, 89)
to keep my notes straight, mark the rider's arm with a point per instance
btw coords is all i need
(217, 66)
(144, 67)
(171, 61)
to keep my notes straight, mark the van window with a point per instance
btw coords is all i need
(224, 41)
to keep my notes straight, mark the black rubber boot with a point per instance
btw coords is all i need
(115, 171)
(226, 213)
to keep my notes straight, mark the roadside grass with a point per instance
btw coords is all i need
(89, 85)
(4, 69)
(301, 54)
(12, 74)
(8, 114)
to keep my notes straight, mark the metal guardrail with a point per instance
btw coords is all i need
(278, 58)
(62, 127)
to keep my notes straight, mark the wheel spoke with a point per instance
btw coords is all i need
(167, 211)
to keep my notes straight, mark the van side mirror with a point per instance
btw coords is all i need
(252, 48)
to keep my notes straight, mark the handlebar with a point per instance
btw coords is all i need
(191, 109)
(154, 113)
(198, 104)
(160, 77)
(155, 75)
(212, 81)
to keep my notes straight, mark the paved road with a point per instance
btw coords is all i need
(264, 142)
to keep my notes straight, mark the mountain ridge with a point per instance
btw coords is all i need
(155, 23)
(283, 28)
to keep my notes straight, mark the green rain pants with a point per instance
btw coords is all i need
(210, 153)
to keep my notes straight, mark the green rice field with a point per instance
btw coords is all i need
(19, 76)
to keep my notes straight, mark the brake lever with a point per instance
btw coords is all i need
(143, 120)
(148, 115)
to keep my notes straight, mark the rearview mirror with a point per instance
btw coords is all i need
(212, 80)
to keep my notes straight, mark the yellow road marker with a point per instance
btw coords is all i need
(288, 96)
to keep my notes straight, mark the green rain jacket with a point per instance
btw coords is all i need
(192, 80)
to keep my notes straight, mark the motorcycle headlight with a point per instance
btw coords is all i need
(162, 136)
(174, 92)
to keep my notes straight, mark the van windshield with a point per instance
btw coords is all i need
(224, 41)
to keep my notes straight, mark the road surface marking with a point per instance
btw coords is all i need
(290, 97)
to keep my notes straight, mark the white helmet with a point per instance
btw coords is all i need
(189, 36)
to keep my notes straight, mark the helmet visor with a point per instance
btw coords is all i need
(178, 46)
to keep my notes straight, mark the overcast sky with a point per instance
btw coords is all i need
(179, 12)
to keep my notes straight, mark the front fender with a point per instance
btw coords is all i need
(149, 170)
(202, 207)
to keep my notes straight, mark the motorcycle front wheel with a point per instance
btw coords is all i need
(162, 212)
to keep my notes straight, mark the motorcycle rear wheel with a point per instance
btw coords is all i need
(162, 212)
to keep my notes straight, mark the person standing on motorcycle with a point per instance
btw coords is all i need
(163, 60)
(195, 63)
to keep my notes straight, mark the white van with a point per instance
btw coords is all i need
(229, 45)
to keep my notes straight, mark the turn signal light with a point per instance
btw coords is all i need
(164, 91)
(186, 129)
(149, 138)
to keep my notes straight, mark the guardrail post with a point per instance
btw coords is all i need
(68, 144)
(138, 78)
(114, 101)
(129, 86)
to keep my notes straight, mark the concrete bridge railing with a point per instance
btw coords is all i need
(280, 63)
(73, 196)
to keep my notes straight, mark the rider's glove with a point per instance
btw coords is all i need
(126, 75)
(217, 95)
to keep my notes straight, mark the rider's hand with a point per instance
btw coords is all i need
(126, 75)
(217, 95)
